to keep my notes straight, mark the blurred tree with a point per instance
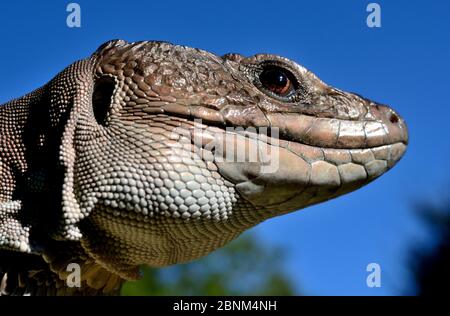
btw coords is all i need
(243, 267)
(431, 265)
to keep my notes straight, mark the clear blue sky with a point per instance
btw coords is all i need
(405, 63)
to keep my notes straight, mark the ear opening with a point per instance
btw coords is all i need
(102, 98)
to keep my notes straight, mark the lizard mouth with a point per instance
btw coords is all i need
(380, 125)
(264, 146)
(372, 145)
(294, 168)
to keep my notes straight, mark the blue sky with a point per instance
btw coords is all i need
(405, 63)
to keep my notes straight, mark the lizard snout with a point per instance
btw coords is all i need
(396, 129)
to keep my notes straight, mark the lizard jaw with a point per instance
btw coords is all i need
(307, 159)
(295, 175)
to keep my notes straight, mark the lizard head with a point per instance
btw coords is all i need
(310, 142)
(181, 150)
(165, 153)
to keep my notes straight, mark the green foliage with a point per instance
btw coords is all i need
(243, 267)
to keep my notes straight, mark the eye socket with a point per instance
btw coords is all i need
(278, 80)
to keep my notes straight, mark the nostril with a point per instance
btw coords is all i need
(394, 118)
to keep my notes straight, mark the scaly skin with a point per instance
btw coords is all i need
(115, 163)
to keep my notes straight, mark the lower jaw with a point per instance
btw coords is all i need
(311, 175)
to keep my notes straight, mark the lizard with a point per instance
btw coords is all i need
(132, 157)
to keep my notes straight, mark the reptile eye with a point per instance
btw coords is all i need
(277, 80)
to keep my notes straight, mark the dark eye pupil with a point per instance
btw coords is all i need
(276, 81)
